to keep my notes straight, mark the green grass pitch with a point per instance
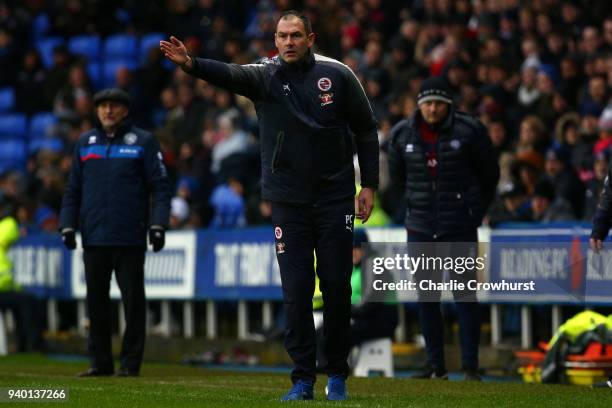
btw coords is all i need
(180, 386)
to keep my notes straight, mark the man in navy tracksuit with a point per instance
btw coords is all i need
(312, 114)
(117, 191)
(445, 163)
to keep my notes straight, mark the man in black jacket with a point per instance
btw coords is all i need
(444, 162)
(118, 189)
(603, 215)
(600, 230)
(311, 111)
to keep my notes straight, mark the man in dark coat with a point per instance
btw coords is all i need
(445, 163)
(117, 191)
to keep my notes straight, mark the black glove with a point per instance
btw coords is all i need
(68, 237)
(157, 238)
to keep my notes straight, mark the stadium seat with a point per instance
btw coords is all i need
(45, 47)
(149, 41)
(12, 155)
(12, 126)
(374, 356)
(7, 99)
(49, 144)
(3, 339)
(110, 69)
(94, 72)
(41, 124)
(120, 46)
(40, 26)
(87, 46)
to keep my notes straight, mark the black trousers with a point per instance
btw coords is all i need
(300, 232)
(128, 264)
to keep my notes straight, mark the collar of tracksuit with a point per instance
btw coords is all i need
(303, 65)
(123, 128)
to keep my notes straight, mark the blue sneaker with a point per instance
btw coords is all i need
(336, 388)
(301, 391)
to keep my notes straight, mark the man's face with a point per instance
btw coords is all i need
(539, 205)
(597, 89)
(111, 113)
(291, 39)
(608, 31)
(553, 167)
(433, 111)
(497, 133)
(514, 202)
(600, 169)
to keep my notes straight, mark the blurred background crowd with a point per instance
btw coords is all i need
(538, 74)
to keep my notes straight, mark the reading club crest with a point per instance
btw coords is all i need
(324, 84)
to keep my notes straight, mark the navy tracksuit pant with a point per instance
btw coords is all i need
(300, 233)
(430, 315)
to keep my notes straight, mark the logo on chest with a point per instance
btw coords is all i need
(324, 84)
(326, 98)
(286, 89)
(130, 138)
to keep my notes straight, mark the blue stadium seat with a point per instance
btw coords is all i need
(149, 41)
(120, 46)
(51, 144)
(94, 71)
(87, 46)
(111, 67)
(41, 125)
(7, 99)
(45, 48)
(12, 155)
(40, 26)
(12, 126)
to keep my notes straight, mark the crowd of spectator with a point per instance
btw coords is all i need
(538, 74)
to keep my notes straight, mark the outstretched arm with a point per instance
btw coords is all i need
(248, 80)
(176, 52)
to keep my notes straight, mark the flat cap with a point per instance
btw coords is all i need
(111, 94)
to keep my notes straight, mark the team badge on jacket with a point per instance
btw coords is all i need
(130, 138)
(324, 84)
(326, 98)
